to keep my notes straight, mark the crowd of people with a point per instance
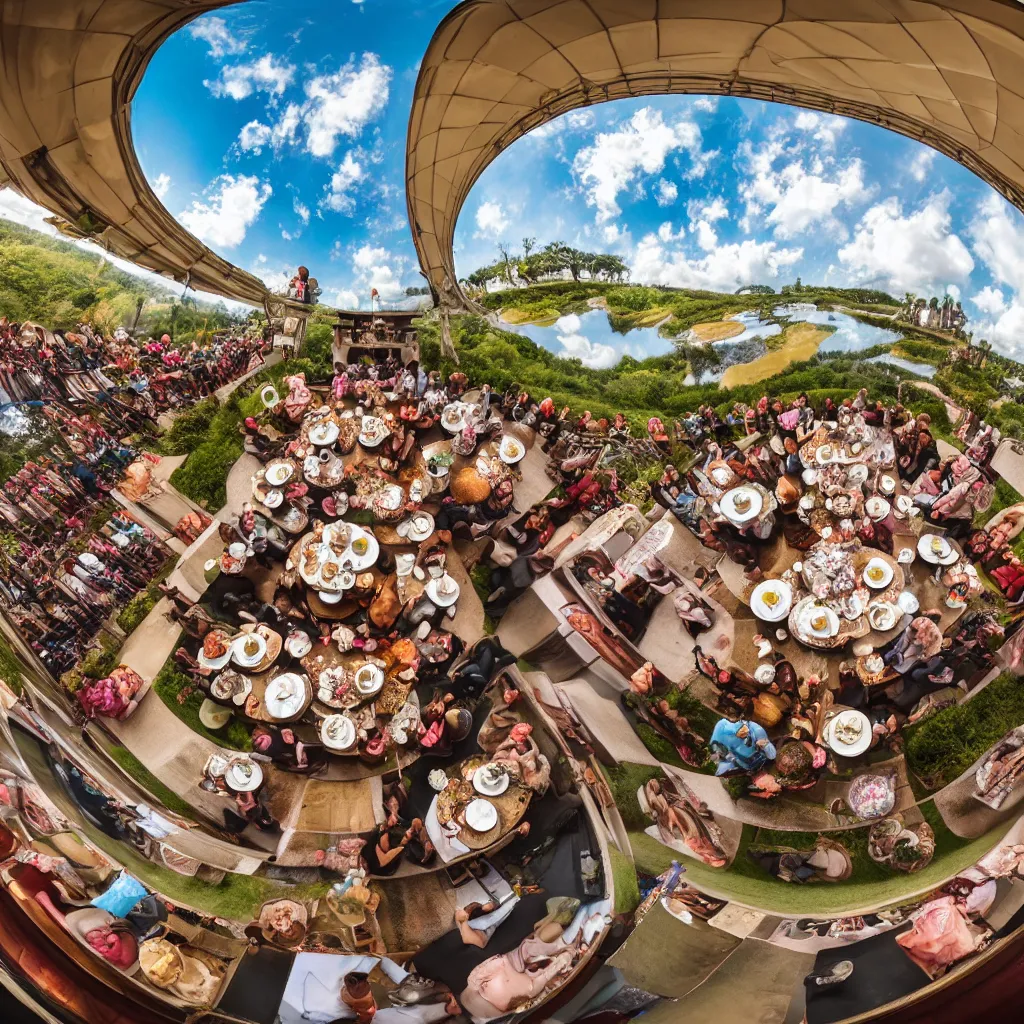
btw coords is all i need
(77, 402)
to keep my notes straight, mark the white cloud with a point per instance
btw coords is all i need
(921, 164)
(708, 104)
(161, 185)
(276, 276)
(727, 268)
(799, 195)
(373, 267)
(997, 234)
(823, 127)
(699, 209)
(707, 237)
(667, 192)
(230, 205)
(575, 120)
(267, 74)
(575, 345)
(301, 210)
(990, 300)
(215, 33)
(14, 206)
(953, 291)
(254, 136)
(349, 173)
(579, 119)
(613, 161)
(490, 220)
(343, 103)
(666, 234)
(912, 252)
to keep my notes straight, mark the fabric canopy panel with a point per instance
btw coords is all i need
(70, 69)
(949, 74)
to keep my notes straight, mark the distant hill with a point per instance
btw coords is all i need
(58, 284)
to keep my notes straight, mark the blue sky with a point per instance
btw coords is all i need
(277, 134)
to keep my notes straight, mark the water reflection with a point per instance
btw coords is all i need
(590, 338)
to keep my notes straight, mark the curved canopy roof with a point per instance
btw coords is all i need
(949, 74)
(70, 69)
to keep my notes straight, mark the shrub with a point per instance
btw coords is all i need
(10, 667)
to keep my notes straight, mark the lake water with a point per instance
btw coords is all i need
(589, 337)
(922, 369)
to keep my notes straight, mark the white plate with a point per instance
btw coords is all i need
(372, 432)
(886, 485)
(369, 680)
(886, 577)
(728, 504)
(274, 498)
(441, 600)
(825, 454)
(237, 699)
(811, 611)
(214, 663)
(883, 616)
(451, 422)
(285, 695)
(781, 608)
(238, 650)
(857, 473)
(279, 473)
(511, 450)
(876, 507)
(330, 598)
(243, 775)
(346, 732)
(481, 816)
(908, 602)
(483, 787)
(906, 556)
(859, 745)
(298, 644)
(809, 477)
(419, 532)
(324, 434)
(946, 554)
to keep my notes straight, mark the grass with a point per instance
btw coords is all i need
(10, 666)
(624, 779)
(136, 770)
(943, 747)
(136, 610)
(871, 884)
(170, 684)
(627, 887)
(480, 575)
(237, 897)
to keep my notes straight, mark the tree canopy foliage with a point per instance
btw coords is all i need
(533, 265)
(58, 284)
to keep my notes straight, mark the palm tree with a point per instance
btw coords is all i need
(529, 244)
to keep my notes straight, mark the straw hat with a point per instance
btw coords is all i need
(468, 487)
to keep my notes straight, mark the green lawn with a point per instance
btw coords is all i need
(236, 897)
(870, 885)
(170, 685)
(943, 747)
(627, 888)
(136, 770)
